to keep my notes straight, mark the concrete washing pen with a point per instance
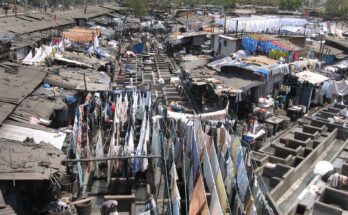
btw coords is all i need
(320, 169)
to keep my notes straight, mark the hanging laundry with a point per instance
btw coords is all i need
(178, 149)
(175, 195)
(176, 207)
(156, 140)
(80, 171)
(195, 161)
(279, 69)
(198, 201)
(145, 162)
(218, 179)
(238, 208)
(129, 149)
(215, 206)
(199, 136)
(229, 176)
(208, 172)
(99, 150)
(140, 146)
(220, 187)
(252, 210)
(242, 177)
(135, 108)
(248, 205)
(261, 205)
(235, 148)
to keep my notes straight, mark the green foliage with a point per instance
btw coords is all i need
(337, 8)
(210, 2)
(139, 6)
(289, 4)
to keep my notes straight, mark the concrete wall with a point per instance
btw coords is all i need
(223, 46)
(342, 133)
(227, 46)
(198, 40)
(284, 185)
(214, 42)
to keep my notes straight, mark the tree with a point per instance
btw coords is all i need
(337, 7)
(289, 4)
(138, 6)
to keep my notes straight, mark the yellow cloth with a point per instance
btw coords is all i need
(220, 187)
(235, 146)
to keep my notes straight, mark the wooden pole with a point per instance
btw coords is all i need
(15, 7)
(84, 81)
(85, 11)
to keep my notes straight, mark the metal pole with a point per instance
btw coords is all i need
(321, 48)
(41, 7)
(110, 158)
(237, 29)
(225, 25)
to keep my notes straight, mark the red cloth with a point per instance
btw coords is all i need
(113, 107)
(296, 57)
(56, 40)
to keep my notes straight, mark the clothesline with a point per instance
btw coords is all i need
(193, 129)
(110, 158)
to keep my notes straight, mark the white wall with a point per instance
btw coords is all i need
(227, 46)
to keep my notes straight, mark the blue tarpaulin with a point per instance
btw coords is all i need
(138, 48)
(251, 44)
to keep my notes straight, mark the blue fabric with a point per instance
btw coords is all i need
(249, 44)
(329, 59)
(70, 100)
(148, 100)
(246, 139)
(242, 177)
(176, 207)
(46, 85)
(264, 72)
(266, 46)
(303, 95)
(138, 48)
(282, 99)
(136, 165)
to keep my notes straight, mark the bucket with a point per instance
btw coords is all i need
(69, 183)
(84, 208)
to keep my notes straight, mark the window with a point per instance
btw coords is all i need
(225, 43)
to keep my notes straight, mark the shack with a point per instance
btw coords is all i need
(224, 45)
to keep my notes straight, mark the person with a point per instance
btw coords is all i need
(110, 68)
(161, 81)
(90, 49)
(109, 207)
(330, 175)
(250, 124)
(256, 126)
(46, 6)
(176, 106)
(291, 103)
